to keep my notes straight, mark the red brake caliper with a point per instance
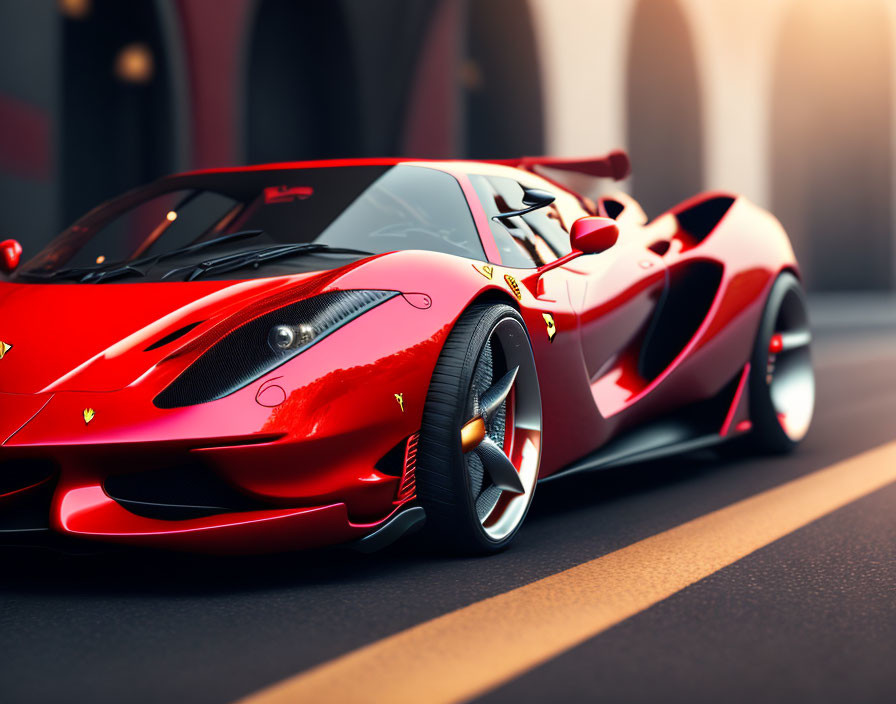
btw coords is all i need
(775, 345)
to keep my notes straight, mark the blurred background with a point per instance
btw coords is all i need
(790, 102)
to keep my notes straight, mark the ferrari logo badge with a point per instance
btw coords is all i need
(514, 286)
(400, 399)
(89, 413)
(4, 348)
(549, 322)
(487, 270)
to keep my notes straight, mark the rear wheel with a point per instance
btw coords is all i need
(480, 440)
(782, 382)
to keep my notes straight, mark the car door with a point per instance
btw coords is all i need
(610, 297)
(616, 296)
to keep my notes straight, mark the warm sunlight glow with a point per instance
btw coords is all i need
(135, 63)
(172, 216)
(75, 9)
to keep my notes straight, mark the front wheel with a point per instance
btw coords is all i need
(480, 440)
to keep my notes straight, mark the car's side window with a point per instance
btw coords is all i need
(513, 236)
(547, 223)
(524, 241)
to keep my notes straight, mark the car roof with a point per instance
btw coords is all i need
(456, 165)
(614, 165)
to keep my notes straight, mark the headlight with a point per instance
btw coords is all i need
(284, 337)
(263, 344)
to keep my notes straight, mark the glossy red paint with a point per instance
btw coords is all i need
(615, 165)
(479, 216)
(308, 442)
(593, 234)
(10, 254)
(88, 512)
(738, 409)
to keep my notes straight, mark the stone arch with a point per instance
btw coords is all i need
(664, 122)
(302, 91)
(831, 134)
(502, 81)
(117, 128)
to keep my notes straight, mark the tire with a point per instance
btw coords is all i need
(475, 500)
(782, 382)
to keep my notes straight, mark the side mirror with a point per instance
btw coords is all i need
(10, 255)
(592, 234)
(589, 235)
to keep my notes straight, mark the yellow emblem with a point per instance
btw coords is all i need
(89, 413)
(487, 270)
(514, 286)
(400, 399)
(549, 322)
(4, 348)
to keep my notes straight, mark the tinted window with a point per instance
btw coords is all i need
(523, 241)
(161, 223)
(376, 209)
(547, 224)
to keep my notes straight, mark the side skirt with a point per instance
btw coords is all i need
(696, 427)
(654, 442)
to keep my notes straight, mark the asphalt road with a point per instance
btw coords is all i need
(810, 617)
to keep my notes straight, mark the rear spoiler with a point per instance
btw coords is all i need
(615, 165)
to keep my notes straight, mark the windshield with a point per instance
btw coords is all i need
(185, 221)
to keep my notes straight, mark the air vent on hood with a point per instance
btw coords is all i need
(168, 339)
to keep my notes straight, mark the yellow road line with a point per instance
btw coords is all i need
(468, 652)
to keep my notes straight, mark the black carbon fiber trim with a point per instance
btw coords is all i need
(244, 355)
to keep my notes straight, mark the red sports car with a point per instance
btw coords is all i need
(296, 355)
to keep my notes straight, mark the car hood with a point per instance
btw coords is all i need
(94, 337)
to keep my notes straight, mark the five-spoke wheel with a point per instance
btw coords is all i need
(480, 442)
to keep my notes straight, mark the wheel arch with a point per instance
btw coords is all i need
(494, 295)
(790, 269)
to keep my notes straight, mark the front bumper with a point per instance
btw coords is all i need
(225, 495)
(315, 463)
(73, 504)
(88, 512)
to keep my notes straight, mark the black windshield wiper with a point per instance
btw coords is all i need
(189, 249)
(77, 273)
(257, 257)
(131, 267)
(94, 275)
